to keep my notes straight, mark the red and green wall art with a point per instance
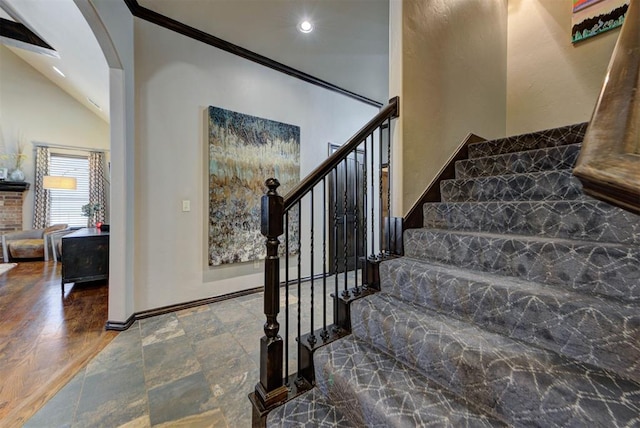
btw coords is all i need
(593, 17)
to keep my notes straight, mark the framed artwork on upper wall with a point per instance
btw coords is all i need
(243, 152)
(593, 17)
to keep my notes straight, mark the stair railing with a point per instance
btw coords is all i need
(335, 223)
(609, 162)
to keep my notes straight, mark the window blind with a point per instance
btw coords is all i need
(66, 205)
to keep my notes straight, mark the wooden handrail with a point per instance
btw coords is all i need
(609, 162)
(390, 111)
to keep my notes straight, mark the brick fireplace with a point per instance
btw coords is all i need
(11, 200)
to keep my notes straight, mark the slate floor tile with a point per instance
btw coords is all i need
(218, 351)
(112, 398)
(162, 327)
(124, 349)
(211, 419)
(234, 315)
(232, 376)
(190, 395)
(168, 361)
(201, 324)
(192, 368)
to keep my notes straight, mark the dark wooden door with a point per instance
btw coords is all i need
(346, 236)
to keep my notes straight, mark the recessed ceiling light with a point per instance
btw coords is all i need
(95, 104)
(305, 27)
(57, 70)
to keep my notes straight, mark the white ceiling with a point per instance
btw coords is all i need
(348, 46)
(62, 26)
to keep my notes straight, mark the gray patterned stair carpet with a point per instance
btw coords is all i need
(517, 305)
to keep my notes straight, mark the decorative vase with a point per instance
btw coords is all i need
(16, 175)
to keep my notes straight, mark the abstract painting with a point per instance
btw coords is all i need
(243, 152)
(592, 17)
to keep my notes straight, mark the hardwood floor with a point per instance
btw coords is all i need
(45, 338)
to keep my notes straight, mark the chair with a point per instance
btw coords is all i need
(28, 244)
(55, 239)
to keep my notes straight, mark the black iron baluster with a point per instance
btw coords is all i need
(335, 243)
(312, 337)
(356, 222)
(286, 297)
(325, 334)
(388, 186)
(373, 218)
(345, 244)
(364, 210)
(299, 207)
(380, 208)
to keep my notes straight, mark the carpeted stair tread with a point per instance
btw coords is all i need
(521, 384)
(375, 390)
(536, 186)
(598, 267)
(309, 409)
(537, 160)
(516, 304)
(555, 137)
(578, 219)
(593, 330)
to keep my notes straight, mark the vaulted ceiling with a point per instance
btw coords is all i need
(61, 25)
(348, 46)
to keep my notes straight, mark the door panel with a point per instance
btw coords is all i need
(345, 233)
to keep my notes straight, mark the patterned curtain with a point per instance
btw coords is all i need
(97, 180)
(41, 200)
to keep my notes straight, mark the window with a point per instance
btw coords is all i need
(66, 205)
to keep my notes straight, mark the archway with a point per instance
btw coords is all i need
(107, 20)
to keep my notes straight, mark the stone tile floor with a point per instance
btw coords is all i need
(192, 368)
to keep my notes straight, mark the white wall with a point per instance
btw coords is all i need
(176, 80)
(453, 68)
(31, 105)
(550, 81)
(112, 24)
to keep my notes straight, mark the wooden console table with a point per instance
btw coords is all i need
(85, 256)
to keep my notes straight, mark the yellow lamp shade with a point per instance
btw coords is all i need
(59, 182)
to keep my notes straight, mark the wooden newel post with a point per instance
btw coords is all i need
(271, 389)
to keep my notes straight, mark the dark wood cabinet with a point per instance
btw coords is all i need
(85, 256)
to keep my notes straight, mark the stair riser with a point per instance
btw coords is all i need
(525, 385)
(586, 329)
(375, 391)
(310, 409)
(518, 187)
(606, 270)
(554, 158)
(586, 220)
(551, 138)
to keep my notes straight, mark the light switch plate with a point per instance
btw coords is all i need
(186, 205)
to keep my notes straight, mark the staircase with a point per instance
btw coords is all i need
(515, 305)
